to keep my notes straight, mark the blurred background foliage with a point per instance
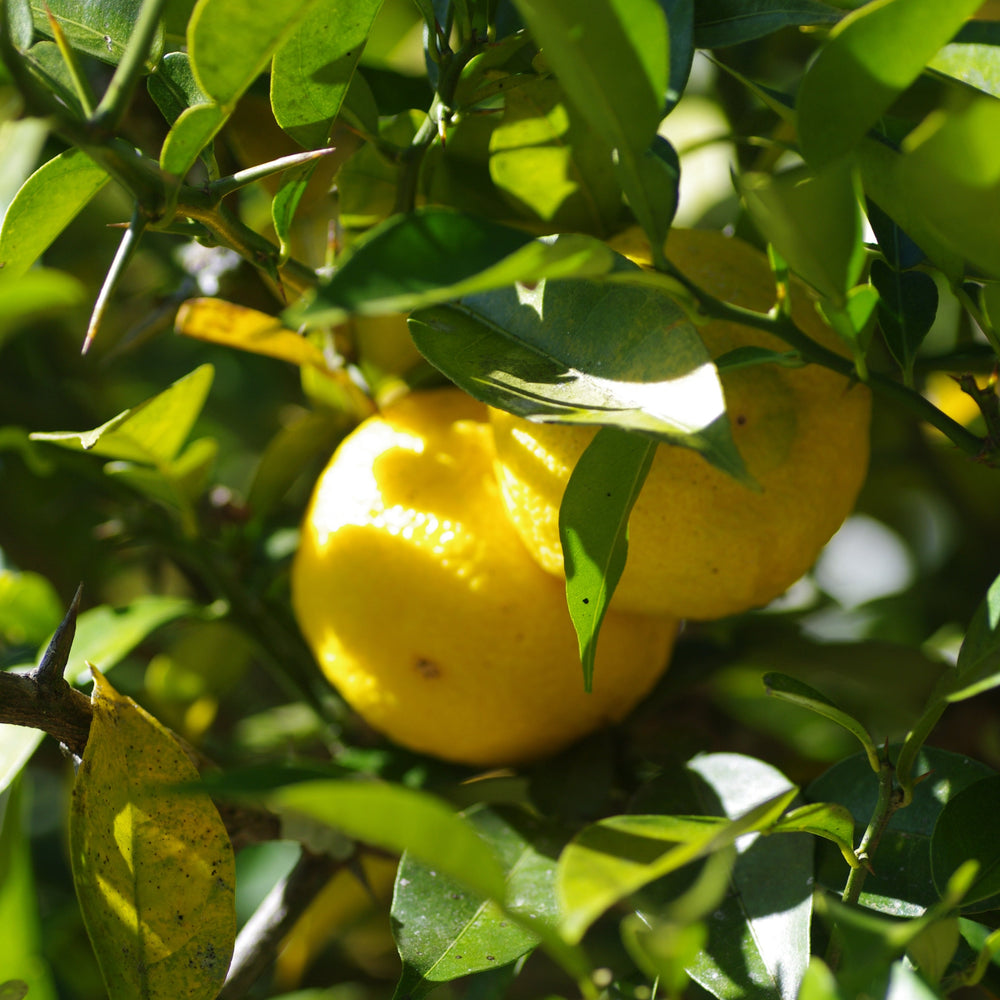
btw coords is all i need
(909, 568)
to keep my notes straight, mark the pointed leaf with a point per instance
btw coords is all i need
(718, 23)
(150, 433)
(437, 254)
(617, 856)
(313, 69)
(153, 869)
(230, 44)
(593, 529)
(400, 819)
(443, 931)
(173, 87)
(829, 820)
(46, 204)
(906, 310)
(219, 322)
(871, 56)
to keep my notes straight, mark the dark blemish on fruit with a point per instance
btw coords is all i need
(427, 668)
(741, 420)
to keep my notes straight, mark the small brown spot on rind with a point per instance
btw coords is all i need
(427, 668)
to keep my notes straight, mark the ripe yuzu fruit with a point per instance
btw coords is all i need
(701, 544)
(425, 610)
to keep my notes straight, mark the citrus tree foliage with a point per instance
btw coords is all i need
(806, 807)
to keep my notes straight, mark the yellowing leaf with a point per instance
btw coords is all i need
(153, 868)
(220, 322)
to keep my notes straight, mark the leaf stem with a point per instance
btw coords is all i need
(111, 110)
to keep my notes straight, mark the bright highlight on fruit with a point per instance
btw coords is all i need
(702, 545)
(425, 610)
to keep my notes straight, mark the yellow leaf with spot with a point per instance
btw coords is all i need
(221, 322)
(153, 868)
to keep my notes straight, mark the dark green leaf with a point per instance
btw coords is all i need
(444, 931)
(718, 23)
(896, 246)
(902, 883)
(438, 254)
(589, 44)
(967, 829)
(680, 27)
(871, 56)
(593, 529)
(46, 204)
(312, 71)
(653, 190)
(100, 30)
(907, 307)
(173, 87)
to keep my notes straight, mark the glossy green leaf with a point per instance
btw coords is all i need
(49, 200)
(984, 940)
(593, 529)
(230, 43)
(934, 948)
(680, 28)
(588, 45)
(949, 175)
(819, 983)
(313, 69)
(898, 249)
(615, 857)
(436, 254)
(191, 133)
(546, 160)
(718, 23)
(871, 56)
(21, 950)
(17, 14)
(154, 870)
(173, 87)
(797, 692)
(828, 820)
(47, 63)
(443, 931)
(40, 292)
(854, 318)
(906, 984)
(814, 221)
(904, 885)
(100, 30)
(152, 432)
(966, 829)
(759, 936)
(400, 819)
(30, 608)
(907, 308)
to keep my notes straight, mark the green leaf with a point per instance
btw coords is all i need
(974, 64)
(799, 693)
(615, 857)
(46, 204)
(814, 221)
(871, 56)
(313, 69)
(664, 950)
(588, 45)
(719, 23)
(966, 829)
(40, 292)
(651, 184)
(907, 307)
(30, 608)
(230, 44)
(190, 135)
(173, 87)
(285, 203)
(828, 820)
(593, 529)
(100, 30)
(550, 165)
(152, 432)
(437, 254)
(902, 862)
(443, 931)
(21, 950)
(948, 175)
(153, 870)
(759, 936)
(400, 819)
(819, 983)
(933, 949)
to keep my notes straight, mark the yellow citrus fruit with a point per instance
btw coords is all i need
(702, 545)
(425, 610)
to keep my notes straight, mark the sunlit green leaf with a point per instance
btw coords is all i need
(100, 30)
(593, 526)
(823, 819)
(49, 200)
(871, 56)
(401, 819)
(313, 69)
(154, 870)
(191, 133)
(30, 608)
(975, 64)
